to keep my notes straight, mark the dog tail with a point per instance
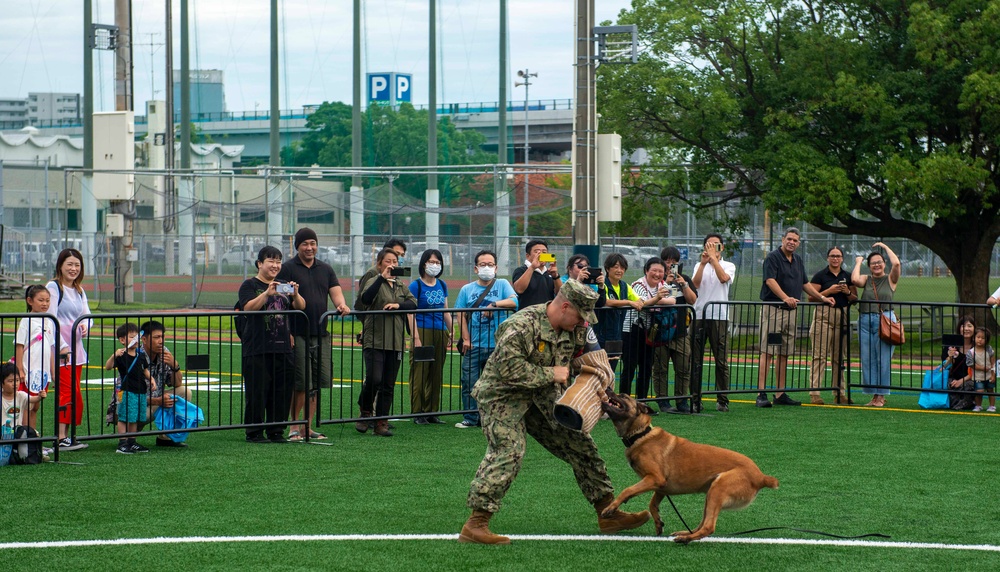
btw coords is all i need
(769, 482)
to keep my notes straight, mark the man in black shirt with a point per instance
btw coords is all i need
(784, 280)
(536, 282)
(313, 352)
(267, 348)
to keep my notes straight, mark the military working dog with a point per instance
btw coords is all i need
(671, 465)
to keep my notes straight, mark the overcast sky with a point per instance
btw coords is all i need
(40, 47)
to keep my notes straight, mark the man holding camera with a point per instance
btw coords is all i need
(313, 350)
(712, 278)
(538, 281)
(679, 348)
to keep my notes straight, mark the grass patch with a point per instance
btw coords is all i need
(842, 470)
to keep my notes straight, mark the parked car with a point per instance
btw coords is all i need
(239, 254)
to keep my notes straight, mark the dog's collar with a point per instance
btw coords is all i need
(629, 441)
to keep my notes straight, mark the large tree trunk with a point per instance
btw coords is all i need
(968, 253)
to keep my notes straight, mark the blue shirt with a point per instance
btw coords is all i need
(483, 327)
(429, 297)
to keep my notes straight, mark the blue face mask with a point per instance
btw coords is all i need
(401, 261)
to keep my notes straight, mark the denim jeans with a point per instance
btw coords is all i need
(875, 354)
(473, 363)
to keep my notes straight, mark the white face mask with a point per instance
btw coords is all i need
(487, 273)
(432, 269)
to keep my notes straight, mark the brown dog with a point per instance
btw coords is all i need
(671, 465)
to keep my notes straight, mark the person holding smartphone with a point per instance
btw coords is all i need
(712, 277)
(537, 281)
(678, 350)
(578, 268)
(828, 331)
(383, 340)
(267, 348)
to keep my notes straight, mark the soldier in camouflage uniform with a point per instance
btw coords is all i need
(517, 391)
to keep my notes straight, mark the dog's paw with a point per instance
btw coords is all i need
(659, 527)
(682, 537)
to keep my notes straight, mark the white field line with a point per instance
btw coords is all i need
(524, 537)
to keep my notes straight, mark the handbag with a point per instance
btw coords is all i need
(889, 331)
(459, 346)
(936, 378)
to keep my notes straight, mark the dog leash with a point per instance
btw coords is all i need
(805, 530)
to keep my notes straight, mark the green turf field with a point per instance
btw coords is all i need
(918, 477)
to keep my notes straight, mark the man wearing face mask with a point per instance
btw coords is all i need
(479, 328)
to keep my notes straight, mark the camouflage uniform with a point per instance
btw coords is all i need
(516, 395)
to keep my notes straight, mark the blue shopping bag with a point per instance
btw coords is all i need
(936, 378)
(183, 415)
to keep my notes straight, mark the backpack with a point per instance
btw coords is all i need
(26, 453)
(662, 326)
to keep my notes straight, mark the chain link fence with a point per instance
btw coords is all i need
(224, 217)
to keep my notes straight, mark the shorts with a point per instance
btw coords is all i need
(305, 362)
(777, 320)
(986, 385)
(24, 387)
(132, 408)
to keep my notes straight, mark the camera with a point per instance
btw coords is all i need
(594, 274)
(718, 247)
(399, 271)
(546, 257)
(285, 289)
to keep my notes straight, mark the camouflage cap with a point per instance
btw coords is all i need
(582, 297)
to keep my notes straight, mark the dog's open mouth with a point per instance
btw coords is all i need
(613, 404)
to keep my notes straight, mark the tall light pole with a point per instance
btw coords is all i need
(526, 76)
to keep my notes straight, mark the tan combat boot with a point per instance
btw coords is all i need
(477, 531)
(619, 520)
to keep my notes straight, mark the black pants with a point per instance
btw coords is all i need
(381, 367)
(637, 361)
(267, 383)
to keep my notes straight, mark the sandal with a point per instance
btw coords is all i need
(294, 437)
(317, 436)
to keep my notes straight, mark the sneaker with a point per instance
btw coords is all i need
(722, 407)
(257, 439)
(762, 400)
(278, 438)
(465, 424)
(124, 449)
(137, 448)
(46, 451)
(65, 444)
(816, 400)
(421, 421)
(435, 420)
(785, 400)
(991, 409)
(977, 409)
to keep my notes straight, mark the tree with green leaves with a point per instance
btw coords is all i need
(858, 116)
(392, 138)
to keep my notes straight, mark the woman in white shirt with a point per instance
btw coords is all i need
(70, 303)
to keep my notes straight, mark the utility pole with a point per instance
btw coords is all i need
(169, 189)
(585, 134)
(122, 246)
(433, 198)
(357, 196)
(526, 75)
(501, 201)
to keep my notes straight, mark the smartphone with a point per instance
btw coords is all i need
(675, 269)
(774, 339)
(842, 281)
(285, 289)
(399, 271)
(594, 273)
(953, 341)
(546, 257)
